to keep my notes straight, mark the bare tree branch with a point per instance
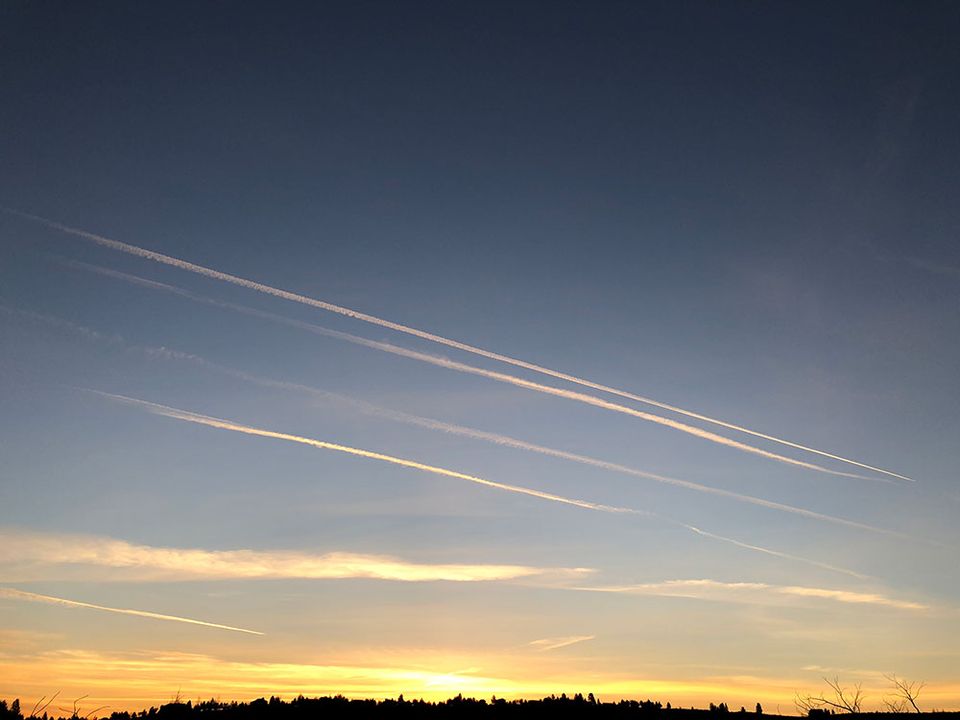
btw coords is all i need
(907, 692)
(847, 700)
(38, 708)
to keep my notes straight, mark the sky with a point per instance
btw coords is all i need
(485, 348)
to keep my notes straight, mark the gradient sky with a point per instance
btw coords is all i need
(745, 210)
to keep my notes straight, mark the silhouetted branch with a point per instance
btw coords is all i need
(37, 708)
(847, 700)
(906, 691)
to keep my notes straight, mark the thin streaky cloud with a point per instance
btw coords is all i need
(58, 323)
(556, 643)
(473, 370)
(398, 327)
(35, 597)
(459, 430)
(187, 416)
(937, 268)
(704, 589)
(45, 554)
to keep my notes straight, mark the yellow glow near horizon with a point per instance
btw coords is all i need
(152, 679)
(155, 679)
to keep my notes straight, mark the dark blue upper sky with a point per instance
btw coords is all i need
(688, 170)
(778, 176)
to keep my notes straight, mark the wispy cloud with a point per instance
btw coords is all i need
(754, 592)
(472, 370)
(34, 597)
(555, 643)
(232, 426)
(43, 555)
(415, 332)
(935, 267)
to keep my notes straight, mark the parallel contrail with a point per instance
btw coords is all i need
(445, 427)
(507, 441)
(356, 315)
(472, 370)
(511, 442)
(223, 424)
(188, 416)
(34, 597)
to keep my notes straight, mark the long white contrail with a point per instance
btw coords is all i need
(511, 442)
(356, 315)
(188, 416)
(222, 424)
(34, 597)
(473, 370)
(445, 427)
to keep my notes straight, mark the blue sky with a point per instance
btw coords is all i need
(739, 210)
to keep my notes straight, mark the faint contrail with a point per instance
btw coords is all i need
(440, 426)
(330, 307)
(223, 424)
(473, 370)
(773, 553)
(555, 643)
(34, 597)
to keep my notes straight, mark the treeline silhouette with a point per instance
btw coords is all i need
(302, 708)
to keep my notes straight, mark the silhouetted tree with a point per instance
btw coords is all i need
(840, 699)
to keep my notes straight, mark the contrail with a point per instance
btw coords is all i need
(449, 428)
(773, 553)
(555, 643)
(188, 416)
(34, 597)
(363, 317)
(223, 424)
(507, 441)
(473, 370)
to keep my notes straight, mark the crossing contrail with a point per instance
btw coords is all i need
(439, 339)
(223, 424)
(511, 442)
(34, 597)
(445, 427)
(473, 370)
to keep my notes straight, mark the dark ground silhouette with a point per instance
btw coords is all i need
(302, 708)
